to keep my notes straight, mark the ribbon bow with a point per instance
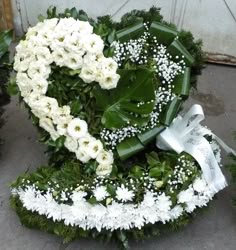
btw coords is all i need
(186, 134)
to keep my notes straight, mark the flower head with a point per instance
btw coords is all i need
(100, 193)
(77, 128)
(124, 194)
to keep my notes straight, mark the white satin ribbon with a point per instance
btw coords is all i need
(186, 134)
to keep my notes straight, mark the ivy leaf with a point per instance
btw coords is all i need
(120, 107)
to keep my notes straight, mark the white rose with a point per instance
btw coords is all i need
(71, 144)
(74, 61)
(43, 54)
(39, 69)
(59, 56)
(93, 43)
(84, 141)
(63, 125)
(105, 158)
(24, 83)
(87, 74)
(109, 81)
(103, 169)
(47, 124)
(94, 148)
(84, 27)
(45, 106)
(109, 65)
(77, 128)
(82, 155)
(40, 85)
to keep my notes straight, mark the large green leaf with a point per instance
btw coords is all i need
(132, 32)
(5, 41)
(129, 147)
(163, 33)
(120, 106)
(182, 83)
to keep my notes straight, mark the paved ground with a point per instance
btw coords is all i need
(216, 229)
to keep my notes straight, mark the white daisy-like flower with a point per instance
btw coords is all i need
(100, 193)
(103, 169)
(149, 199)
(124, 194)
(163, 202)
(186, 196)
(78, 196)
(77, 128)
(176, 212)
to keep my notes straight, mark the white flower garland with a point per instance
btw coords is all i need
(70, 43)
(154, 207)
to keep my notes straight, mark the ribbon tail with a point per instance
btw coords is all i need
(203, 154)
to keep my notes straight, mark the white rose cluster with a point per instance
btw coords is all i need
(70, 43)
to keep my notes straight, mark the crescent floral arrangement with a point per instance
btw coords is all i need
(105, 97)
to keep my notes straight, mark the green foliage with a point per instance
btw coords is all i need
(5, 67)
(120, 105)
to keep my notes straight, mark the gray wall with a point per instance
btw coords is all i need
(214, 21)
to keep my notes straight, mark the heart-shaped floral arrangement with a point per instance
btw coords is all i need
(103, 92)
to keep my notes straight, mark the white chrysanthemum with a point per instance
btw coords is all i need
(199, 185)
(163, 202)
(71, 144)
(176, 212)
(186, 195)
(124, 194)
(105, 158)
(103, 169)
(94, 148)
(149, 199)
(77, 128)
(82, 155)
(100, 193)
(78, 196)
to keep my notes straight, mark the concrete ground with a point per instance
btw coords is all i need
(215, 229)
